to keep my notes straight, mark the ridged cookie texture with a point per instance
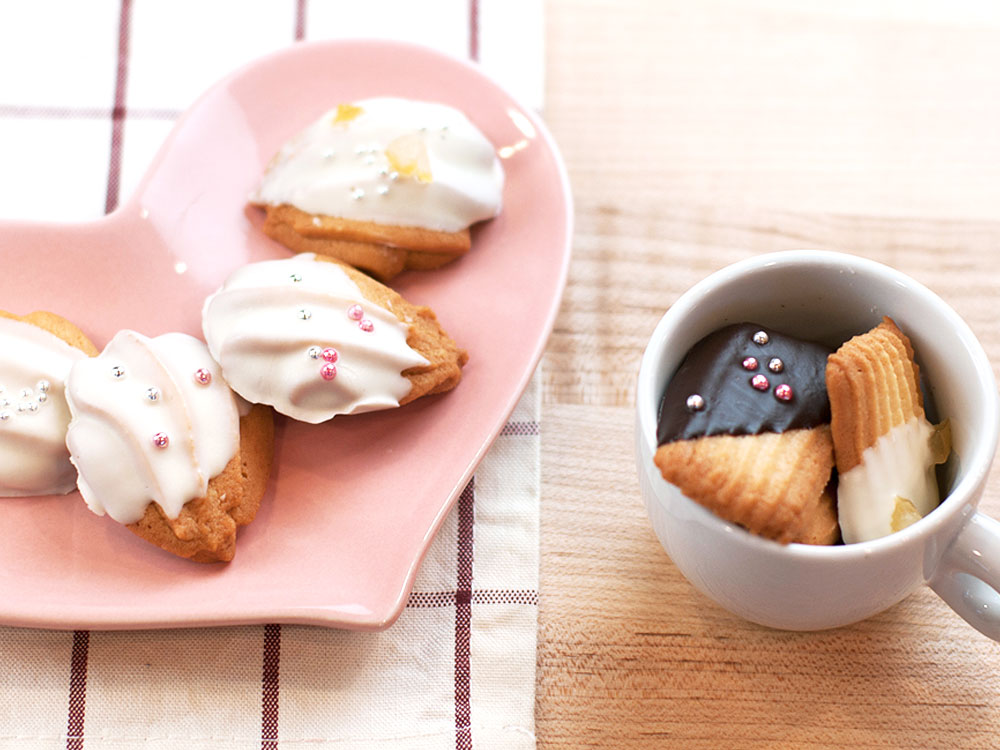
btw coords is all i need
(160, 445)
(772, 484)
(38, 351)
(315, 338)
(743, 430)
(384, 184)
(882, 438)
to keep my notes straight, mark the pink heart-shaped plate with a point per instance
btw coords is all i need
(353, 504)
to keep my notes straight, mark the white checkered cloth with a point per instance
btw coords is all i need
(88, 91)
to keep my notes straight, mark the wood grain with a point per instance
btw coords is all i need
(697, 134)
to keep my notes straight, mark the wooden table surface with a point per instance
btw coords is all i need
(697, 134)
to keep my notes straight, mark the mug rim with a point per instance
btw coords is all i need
(648, 393)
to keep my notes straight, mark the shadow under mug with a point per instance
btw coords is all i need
(828, 297)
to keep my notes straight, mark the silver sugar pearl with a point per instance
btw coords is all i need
(761, 338)
(775, 365)
(695, 402)
(295, 278)
(153, 393)
(383, 172)
(3, 388)
(22, 406)
(42, 397)
(26, 392)
(42, 386)
(118, 372)
(304, 314)
(357, 193)
(4, 403)
(383, 190)
(33, 406)
(393, 176)
(329, 154)
(5, 416)
(313, 352)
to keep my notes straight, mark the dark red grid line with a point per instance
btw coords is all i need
(433, 599)
(118, 113)
(520, 428)
(26, 111)
(463, 615)
(300, 20)
(270, 687)
(77, 690)
(474, 30)
(505, 596)
(430, 599)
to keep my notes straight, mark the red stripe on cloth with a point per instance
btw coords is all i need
(463, 615)
(505, 596)
(520, 428)
(300, 20)
(77, 690)
(433, 599)
(269, 689)
(474, 30)
(83, 113)
(118, 113)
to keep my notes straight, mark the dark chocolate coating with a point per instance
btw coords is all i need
(714, 370)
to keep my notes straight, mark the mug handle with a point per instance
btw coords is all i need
(968, 577)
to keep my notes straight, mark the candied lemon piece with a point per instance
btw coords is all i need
(346, 113)
(408, 156)
(903, 514)
(941, 442)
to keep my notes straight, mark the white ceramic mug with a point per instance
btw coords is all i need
(829, 297)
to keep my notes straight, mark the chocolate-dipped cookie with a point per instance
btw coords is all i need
(744, 430)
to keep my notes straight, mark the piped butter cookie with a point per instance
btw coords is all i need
(383, 184)
(161, 446)
(38, 351)
(886, 448)
(315, 338)
(744, 430)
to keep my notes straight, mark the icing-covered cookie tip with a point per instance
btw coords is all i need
(361, 347)
(33, 411)
(445, 173)
(160, 434)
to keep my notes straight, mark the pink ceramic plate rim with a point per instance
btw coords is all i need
(162, 226)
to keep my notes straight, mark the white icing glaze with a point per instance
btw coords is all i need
(899, 464)
(33, 455)
(111, 437)
(341, 168)
(262, 323)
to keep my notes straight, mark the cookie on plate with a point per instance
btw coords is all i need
(744, 430)
(38, 351)
(886, 449)
(163, 446)
(383, 184)
(315, 338)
